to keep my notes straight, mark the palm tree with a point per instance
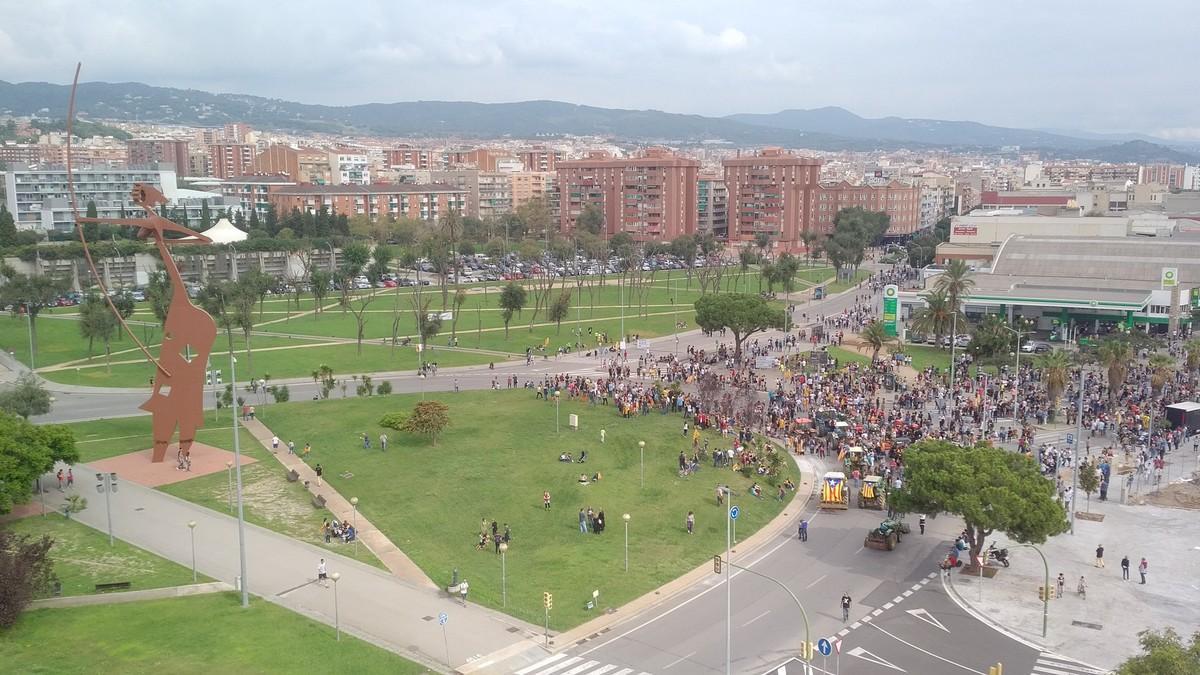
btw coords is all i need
(1192, 347)
(1057, 365)
(955, 282)
(767, 271)
(1115, 355)
(875, 335)
(936, 317)
(1161, 367)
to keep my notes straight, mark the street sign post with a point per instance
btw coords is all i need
(733, 512)
(825, 647)
(442, 619)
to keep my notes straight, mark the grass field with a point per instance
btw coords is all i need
(195, 635)
(82, 557)
(269, 499)
(494, 462)
(840, 286)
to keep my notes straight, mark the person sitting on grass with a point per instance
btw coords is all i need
(583, 479)
(564, 457)
(597, 476)
(583, 457)
(756, 490)
(483, 538)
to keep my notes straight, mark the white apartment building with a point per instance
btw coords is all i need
(349, 168)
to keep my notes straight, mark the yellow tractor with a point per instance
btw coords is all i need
(835, 493)
(870, 495)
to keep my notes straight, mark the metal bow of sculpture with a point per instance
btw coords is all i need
(177, 397)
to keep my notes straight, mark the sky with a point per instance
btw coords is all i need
(1103, 65)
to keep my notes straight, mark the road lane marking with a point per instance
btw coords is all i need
(753, 620)
(924, 615)
(587, 665)
(929, 653)
(898, 598)
(854, 625)
(877, 612)
(889, 605)
(676, 661)
(860, 550)
(917, 587)
(541, 664)
(603, 669)
(816, 581)
(907, 593)
(624, 671)
(872, 658)
(559, 666)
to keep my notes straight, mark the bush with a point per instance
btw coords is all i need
(25, 571)
(384, 388)
(394, 420)
(281, 393)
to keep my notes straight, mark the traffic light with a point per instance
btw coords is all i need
(1045, 594)
(807, 649)
(548, 600)
(717, 564)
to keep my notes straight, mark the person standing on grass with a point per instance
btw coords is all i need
(366, 441)
(383, 441)
(582, 521)
(319, 471)
(691, 522)
(546, 500)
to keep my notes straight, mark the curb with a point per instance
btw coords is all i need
(132, 596)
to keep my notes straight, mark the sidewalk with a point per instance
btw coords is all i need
(1101, 630)
(388, 553)
(388, 611)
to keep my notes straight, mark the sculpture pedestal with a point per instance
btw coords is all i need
(137, 467)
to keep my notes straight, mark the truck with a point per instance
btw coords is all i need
(1184, 414)
(835, 493)
(870, 495)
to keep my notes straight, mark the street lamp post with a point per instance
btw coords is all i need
(237, 463)
(1046, 595)
(337, 621)
(625, 517)
(557, 396)
(229, 472)
(354, 505)
(503, 575)
(106, 484)
(642, 449)
(192, 529)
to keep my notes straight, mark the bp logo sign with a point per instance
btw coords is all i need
(890, 291)
(1170, 276)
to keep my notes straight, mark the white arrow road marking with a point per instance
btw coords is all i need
(868, 656)
(924, 615)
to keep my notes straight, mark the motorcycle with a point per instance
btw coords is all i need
(1000, 555)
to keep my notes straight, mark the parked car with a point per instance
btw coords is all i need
(1035, 347)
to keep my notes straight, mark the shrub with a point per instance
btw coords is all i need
(384, 388)
(394, 420)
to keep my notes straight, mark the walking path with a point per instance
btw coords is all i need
(387, 610)
(388, 553)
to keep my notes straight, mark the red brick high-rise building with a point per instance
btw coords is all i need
(405, 155)
(771, 192)
(539, 158)
(231, 159)
(900, 201)
(652, 197)
(147, 151)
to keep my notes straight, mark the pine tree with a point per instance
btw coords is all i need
(8, 227)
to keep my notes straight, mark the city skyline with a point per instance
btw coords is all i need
(1020, 68)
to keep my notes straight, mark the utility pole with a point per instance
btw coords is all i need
(1075, 449)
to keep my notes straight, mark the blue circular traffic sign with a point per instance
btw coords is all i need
(824, 647)
(733, 512)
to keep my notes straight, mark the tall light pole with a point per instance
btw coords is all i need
(29, 315)
(229, 472)
(503, 576)
(192, 529)
(337, 621)
(237, 464)
(1046, 595)
(642, 449)
(625, 517)
(557, 396)
(106, 484)
(354, 505)
(1075, 447)
(729, 516)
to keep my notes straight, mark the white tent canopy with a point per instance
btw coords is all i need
(224, 232)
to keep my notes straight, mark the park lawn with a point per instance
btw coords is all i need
(296, 361)
(839, 286)
(845, 356)
(495, 460)
(82, 557)
(199, 634)
(269, 500)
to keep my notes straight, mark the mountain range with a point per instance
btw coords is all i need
(828, 128)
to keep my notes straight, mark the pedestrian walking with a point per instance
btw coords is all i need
(582, 522)
(383, 441)
(307, 448)
(1081, 588)
(366, 441)
(322, 573)
(60, 480)
(291, 447)
(274, 444)
(1100, 556)
(319, 471)
(921, 522)
(846, 606)
(1125, 568)
(803, 534)
(70, 478)
(691, 522)
(546, 500)
(1143, 567)
(720, 495)
(1061, 583)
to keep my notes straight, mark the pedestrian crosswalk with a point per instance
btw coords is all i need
(561, 664)
(1052, 664)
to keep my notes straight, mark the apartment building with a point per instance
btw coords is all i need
(1170, 175)
(145, 151)
(539, 158)
(420, 202)
(712, 206)
(488, 193)
(227, 160)
(39, 200)
(900, 201)
(19, 154)
(937, 198)
(771, 192)
(253, 192)
(652, 196)
(349, 168)
(527, 185)
(405, 156)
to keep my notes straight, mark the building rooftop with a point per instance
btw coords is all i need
(364, 189)
(1136, 259)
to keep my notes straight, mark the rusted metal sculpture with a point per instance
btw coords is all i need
(177, 398)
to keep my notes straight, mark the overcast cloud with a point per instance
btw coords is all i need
(1102, 65)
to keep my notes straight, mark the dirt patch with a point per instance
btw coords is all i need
(1185, 495)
